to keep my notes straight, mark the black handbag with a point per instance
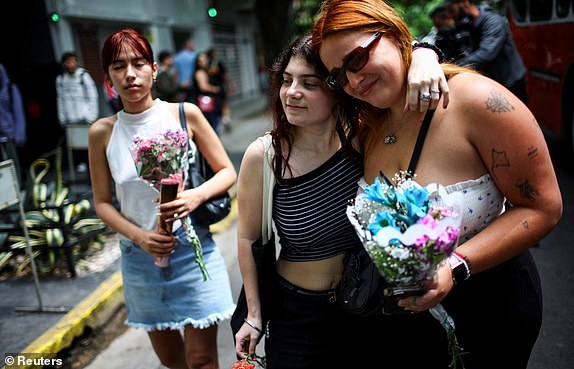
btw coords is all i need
(361, 290)
(264, 257)
(216, 208)
(263, 253)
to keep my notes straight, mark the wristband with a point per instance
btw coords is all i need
(426, 45)
(459, 267)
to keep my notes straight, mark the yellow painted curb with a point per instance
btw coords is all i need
(93, 311)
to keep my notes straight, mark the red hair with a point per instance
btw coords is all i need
(121, 39)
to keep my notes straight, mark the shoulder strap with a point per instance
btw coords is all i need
(182, 119)
(420, 142)
(268, 184)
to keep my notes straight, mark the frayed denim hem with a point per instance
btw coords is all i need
(201, 324)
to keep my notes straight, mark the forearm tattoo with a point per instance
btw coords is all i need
(497, 103)
(527, 190)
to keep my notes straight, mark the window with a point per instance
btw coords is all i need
(519, 10)
(563, 7)
(540, 10)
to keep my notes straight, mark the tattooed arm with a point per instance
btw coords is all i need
(513, 149)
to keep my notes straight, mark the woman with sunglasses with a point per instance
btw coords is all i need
(317, 173)
(488, 147)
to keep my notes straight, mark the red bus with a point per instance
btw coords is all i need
(543, 31)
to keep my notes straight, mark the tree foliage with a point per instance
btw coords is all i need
(282, 20)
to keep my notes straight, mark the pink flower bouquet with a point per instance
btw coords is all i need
(162, 161)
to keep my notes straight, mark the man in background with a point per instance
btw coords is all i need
(77, 100)
(454, 44)
(184, 64)
(493, 52)
(166, 84)
(77, 94)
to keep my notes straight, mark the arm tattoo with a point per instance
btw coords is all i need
(497, 103)
(499, 160)
(526, 189)
(532, 152)
(525, 224)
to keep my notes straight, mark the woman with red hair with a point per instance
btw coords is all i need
(179, 310)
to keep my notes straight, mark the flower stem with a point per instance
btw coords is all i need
(192, 238)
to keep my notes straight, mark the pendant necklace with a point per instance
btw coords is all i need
(391, 138)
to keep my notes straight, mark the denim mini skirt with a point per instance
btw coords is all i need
(175, 296)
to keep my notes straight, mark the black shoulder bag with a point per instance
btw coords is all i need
(216, 208)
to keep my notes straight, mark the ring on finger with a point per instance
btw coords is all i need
(425, 96)
(434, 91)
(175, 215)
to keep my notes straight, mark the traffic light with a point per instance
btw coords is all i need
(212, 12)
(54, 17)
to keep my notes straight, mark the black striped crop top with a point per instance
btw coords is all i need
(310, 210)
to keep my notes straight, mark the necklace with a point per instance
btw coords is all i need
(391, 138)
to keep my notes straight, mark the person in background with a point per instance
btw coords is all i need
(76, 91)
(112, 97)
(487, 147)
(205, 94)
(77, 100)
(314, 142)
(12, 116)
(179, 310)
(166, 85)
(493, 50)
(184, 64)
(218, 76)
(454, 44)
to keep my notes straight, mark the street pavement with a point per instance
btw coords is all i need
(132, 350)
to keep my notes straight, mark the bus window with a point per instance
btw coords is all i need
(563, 7)
(540, 10)
(519, 7)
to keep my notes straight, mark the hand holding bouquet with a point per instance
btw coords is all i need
(161, 160)
(408, 231)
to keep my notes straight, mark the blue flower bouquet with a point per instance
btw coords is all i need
(408, 230)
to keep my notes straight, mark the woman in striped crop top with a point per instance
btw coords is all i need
(316, 174)
(488, 147)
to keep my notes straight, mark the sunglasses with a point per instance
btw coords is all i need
(353, 62)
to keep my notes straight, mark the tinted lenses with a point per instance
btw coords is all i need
(353, 62)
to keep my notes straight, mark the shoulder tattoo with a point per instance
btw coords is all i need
(497, 103)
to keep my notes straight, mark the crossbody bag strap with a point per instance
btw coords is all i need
(199, 160)
(268, 184)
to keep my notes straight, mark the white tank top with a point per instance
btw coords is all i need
(136, 196)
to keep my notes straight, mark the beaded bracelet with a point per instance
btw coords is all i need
(426, 45)
(252, 325)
